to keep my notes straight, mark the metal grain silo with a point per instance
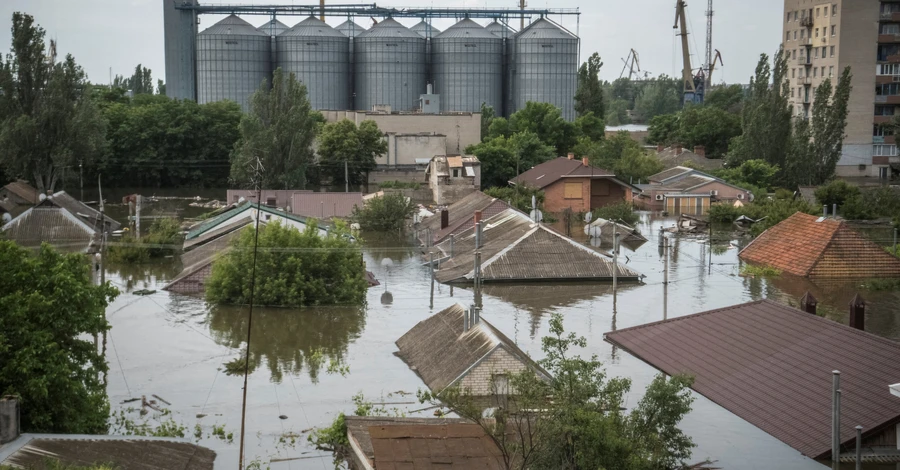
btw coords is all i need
(233, 58)
(273, 28)
(545, 67)
(506, 34)
(320, 58)
(425, 30)
(349, 29)
(468, 67)
(390, 67)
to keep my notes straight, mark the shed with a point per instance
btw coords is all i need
(460, 217)
(817, 247)
(516, 249)
(61, 221)
(325, 205)
(772, 365)
(479, 359)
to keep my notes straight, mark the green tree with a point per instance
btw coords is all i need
(279, 130)
(388, 213)
(708, 126)
(663, 129)
(636, 165)
(50, 308)
(617, 113)
(756, 173)
(293, 268)
(342, 142)
(589, 95)
(518, 196)
(160, 88)
(726, 98)
(487, 117)
(836, 192)
(502, 158)
(591, 126)
(49, 120)
(658, 96)
(545, 121)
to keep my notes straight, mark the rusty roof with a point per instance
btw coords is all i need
(771, 365)
(517, 249)
(549, 172)
(458, 213)
(806, 245)
(325, 205)
(421, 443)
(441, 352)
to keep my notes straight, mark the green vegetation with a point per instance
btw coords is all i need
(387, 213)
(162, 240)
(49, 299)
(502, 157)
(51, 464)
(343, 143)
(774, 211)
(623, 156)
(293, 268)
(155, 424)
(894, 250)
(750, 270)
(621, 212)
(518, 196)
(139, 83)
(334, 438)
(877, 285)
(399, 185)
(589, 95)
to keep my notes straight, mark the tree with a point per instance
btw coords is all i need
(487, 117)
(545, 121)
(50, 308)
(591, 126)
(388, 213)
(836, 192)
(293, 268)
(659, 96)
(709, 126)
(343, 143)
(49, 121)
(663, 129)
(279, 130)
(726, 98)
(518, 196)
(751, 173)
(502, 158)
(160, 87)
(589, 95)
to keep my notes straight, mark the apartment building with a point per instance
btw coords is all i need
(821, 39)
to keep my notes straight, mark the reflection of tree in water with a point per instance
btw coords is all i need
(387, 245)
(142, 276)
(288, 340)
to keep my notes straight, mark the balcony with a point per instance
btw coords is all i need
(806, 22)
(889, 17)
(805, 81)
(887, 99)
(888, 38)
(804, 60)
(807, 99)
(892, 59)
(883, 119)
(884, 79)
(805, 42)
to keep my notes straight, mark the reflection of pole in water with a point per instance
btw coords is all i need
(387, 298)
(615, 269)
(665, 279)
(615, 349)
(431, 268)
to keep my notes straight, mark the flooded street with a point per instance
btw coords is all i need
(175, 346)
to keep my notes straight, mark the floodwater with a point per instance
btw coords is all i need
(175, 346)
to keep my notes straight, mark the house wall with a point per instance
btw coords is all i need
(890, 437)
(478, 380)
(448, 190)
(598, 194)
(724, 192)
(282, 196)
(403, 149)
(194, 283)
(407, 174)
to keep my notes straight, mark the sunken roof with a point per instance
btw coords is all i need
(689, 182)
(549, 172)
(60, 220)
(806, 245)
(772, 365)
(326, 204)
(198, 262)
(441, 352)
(664, 175)
(460, 212)
(216, 222)
(670, 158)
(24, 191)
(515, 248)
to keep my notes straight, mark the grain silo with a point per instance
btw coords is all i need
(320, 58)
(233, 58)
(349, 29)
(390, 67)
(428, 32)
(468, 68)
(506, 34)
(545, 67)
(425, 30)
(273, 28)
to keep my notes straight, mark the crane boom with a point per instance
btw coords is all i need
(681, 22)
(712, 65)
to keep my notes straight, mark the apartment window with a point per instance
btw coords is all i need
(817, 12)
(793, 73)
(823, 51)
(833, 30)
(884, 110)
(802, 33)
(884, 150)
(881, 130)
(890, 28)
(815, 72)
(800, 73)
(795, 54)
(822, 72)
(888, 69)
(887, 89)
(799, 91)
(832, 51)
(883, 173)
(802, 53)
(887, 50)
(830, 71)
(889, 8)
(795, 35)
(787, 36)
(788, 19)
(833, 9)
(817, 32)
(792, 92)
(796, 15)
(826, 10)
(817, 53)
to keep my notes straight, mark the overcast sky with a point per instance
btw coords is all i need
(119, 34)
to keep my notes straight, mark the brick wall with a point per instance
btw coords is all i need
(600, 193)
(478, 380)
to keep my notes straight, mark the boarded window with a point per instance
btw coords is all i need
(271, 201)
(573, 191)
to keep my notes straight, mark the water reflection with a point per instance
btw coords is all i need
(131, 277)
(286, 340)
(388, 245)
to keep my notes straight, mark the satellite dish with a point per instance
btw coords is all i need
(536, 215)
(387, 263)
(588, 217)
(596, 242)
(6, 217)
(387, 298)
(592, 231)
(42, 197)
(241, 200)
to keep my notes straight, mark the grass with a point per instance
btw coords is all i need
(893, 251)
(877, 285)
(759, 271)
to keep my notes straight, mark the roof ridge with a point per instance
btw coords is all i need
(692, 315)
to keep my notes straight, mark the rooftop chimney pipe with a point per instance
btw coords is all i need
(834, 210)
(808, 303)
(584, 161)
(477, 216)
(9, 419)
(445, 218)
(858, 313)
(824, 210)
(700, 150)
(571, 156)
(660, 148)
(677, 149)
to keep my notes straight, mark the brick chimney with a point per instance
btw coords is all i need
(9, 419)
(584, 161)
(477, 217)
(677, 149)
(660, 148)
(700, 150)
(858, 313)
(445, 218)
(808, 303)
(571, 156)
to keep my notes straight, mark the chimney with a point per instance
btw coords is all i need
(808, 303)
(834, 210)
(571, 156)
(476, 315)
(660, 148)
(677, 149)
(584, 161)
(858, 313)
(9, 419)
(429, 89)
(477, 217)
(700, 150)
(445, 218)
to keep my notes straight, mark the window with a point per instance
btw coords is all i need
(817, 12)
(826, 11)
(887, 50)
(888, 69)
(792, 92)
(800, 73)
(823, 51)
(817, 32)
(796, 15)
(888, 8)
(787, 36)
(817, 53)
(456, 172)
(815, 70)
(822, 72)
(802, 53)
(788, 20)
(795, 54)
(884, 150)
(830, 71)
(883, 172)
(501, 385)
(572, 191)
(793, 73)
(887, 89)
(833, 30)
(832, 52)
(795, 35)
(833, 9)
(881, 130)
(890, 28)
(884, 110)
(271, 201)
(802, 33)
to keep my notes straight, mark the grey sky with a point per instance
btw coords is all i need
(122, 33)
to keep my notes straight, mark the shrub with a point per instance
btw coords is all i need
(724, 213)
(620, 212)
(854, 208)
(759, 271)
(162, 240)
(518, 196)
(877, 285)
(835, 192)
(384, 214)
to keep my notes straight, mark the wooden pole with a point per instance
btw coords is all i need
(665, 279)
(431, 266)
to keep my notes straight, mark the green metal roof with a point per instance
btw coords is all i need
(221, 218)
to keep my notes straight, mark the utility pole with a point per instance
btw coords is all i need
(665, 279)
(835, 415)
(431, 267)
(615, 269)
(322, 10)
(521, 22)
(81, 178)
(346, 174)
(137, 216)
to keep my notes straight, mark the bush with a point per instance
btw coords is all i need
(759, 271)
(854, 208)
(771, 211)
(399, 185)
(163, 239)
(724, 213)
(518, 196)
(620, 212)
(384, 214)
(293, 268)
(835, 192)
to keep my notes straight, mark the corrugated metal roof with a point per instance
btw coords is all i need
(771, 365)
(273, 28)
(313, 27)
(670, 159)
(543, 29)
(197, 262)
(24, 191)
(84, 212)
(499, 30)
(330, 204)
(467, 29)
(422, 29)
(350, 29)
(664, 175)
(389, 28)
(233, 25)
(215, 222)
(804, 246)
(441, 353)
(54, 225)
(453, 446)
(358, 432)
(549, 172)
(688, 182)
(514, 248)
(458, 227)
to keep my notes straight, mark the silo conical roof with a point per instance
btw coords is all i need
(350, 29)
(313, 27)
(544, 29)
(500, 30)
(273, 27)
(467, 29)
(425, 30)
(389, 28)
(233, 25)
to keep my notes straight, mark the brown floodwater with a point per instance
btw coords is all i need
(176, 346)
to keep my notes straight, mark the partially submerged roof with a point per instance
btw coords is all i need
(671, 158)
(772, 365)
(628, 236)
(24, 191)
(460, 215)
(549, 172)
(806, 245)
(131, 452)
(197, 263)
(241, 209)
(441, 352)
(515, 248)
(62, 221)
(325, 205)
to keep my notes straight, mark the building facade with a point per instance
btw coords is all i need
(453, 178)
(821, 38)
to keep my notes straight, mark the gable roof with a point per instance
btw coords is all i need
(215, 222)
(23, 191)
(549, 172)
(674, 172)
(806, 245)
(670, 159)
(771, 365)
(442, 353)
(82, 210)
(324, 205)
(458, 213)
(60, 220)
(514, 248)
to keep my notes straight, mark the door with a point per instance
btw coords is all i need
(883, 173)
(677, 205)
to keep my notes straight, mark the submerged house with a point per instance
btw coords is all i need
(569, 183)
(516, 249)
(452, 178)
(683, 190)
(16, 197)
(459, 217)
(771, 365)
(818, 247)
(62, 221)
(454, 348)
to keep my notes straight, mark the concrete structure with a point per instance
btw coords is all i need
(683, 190)
(325, 205)
(574, 184)
(275, 198)
(453, 178)
(821, 39)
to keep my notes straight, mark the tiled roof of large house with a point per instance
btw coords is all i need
(772, 365)
(806, 245)
(549, 172)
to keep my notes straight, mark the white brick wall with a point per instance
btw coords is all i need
(478, 380)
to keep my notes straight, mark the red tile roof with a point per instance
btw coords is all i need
(547, 173)
(804, 246)
(772, 365)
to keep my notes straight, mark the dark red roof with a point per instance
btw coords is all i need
(772, 365)
(550, 172)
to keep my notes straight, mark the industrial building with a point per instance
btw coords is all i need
(408, 70)
(820, 40)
